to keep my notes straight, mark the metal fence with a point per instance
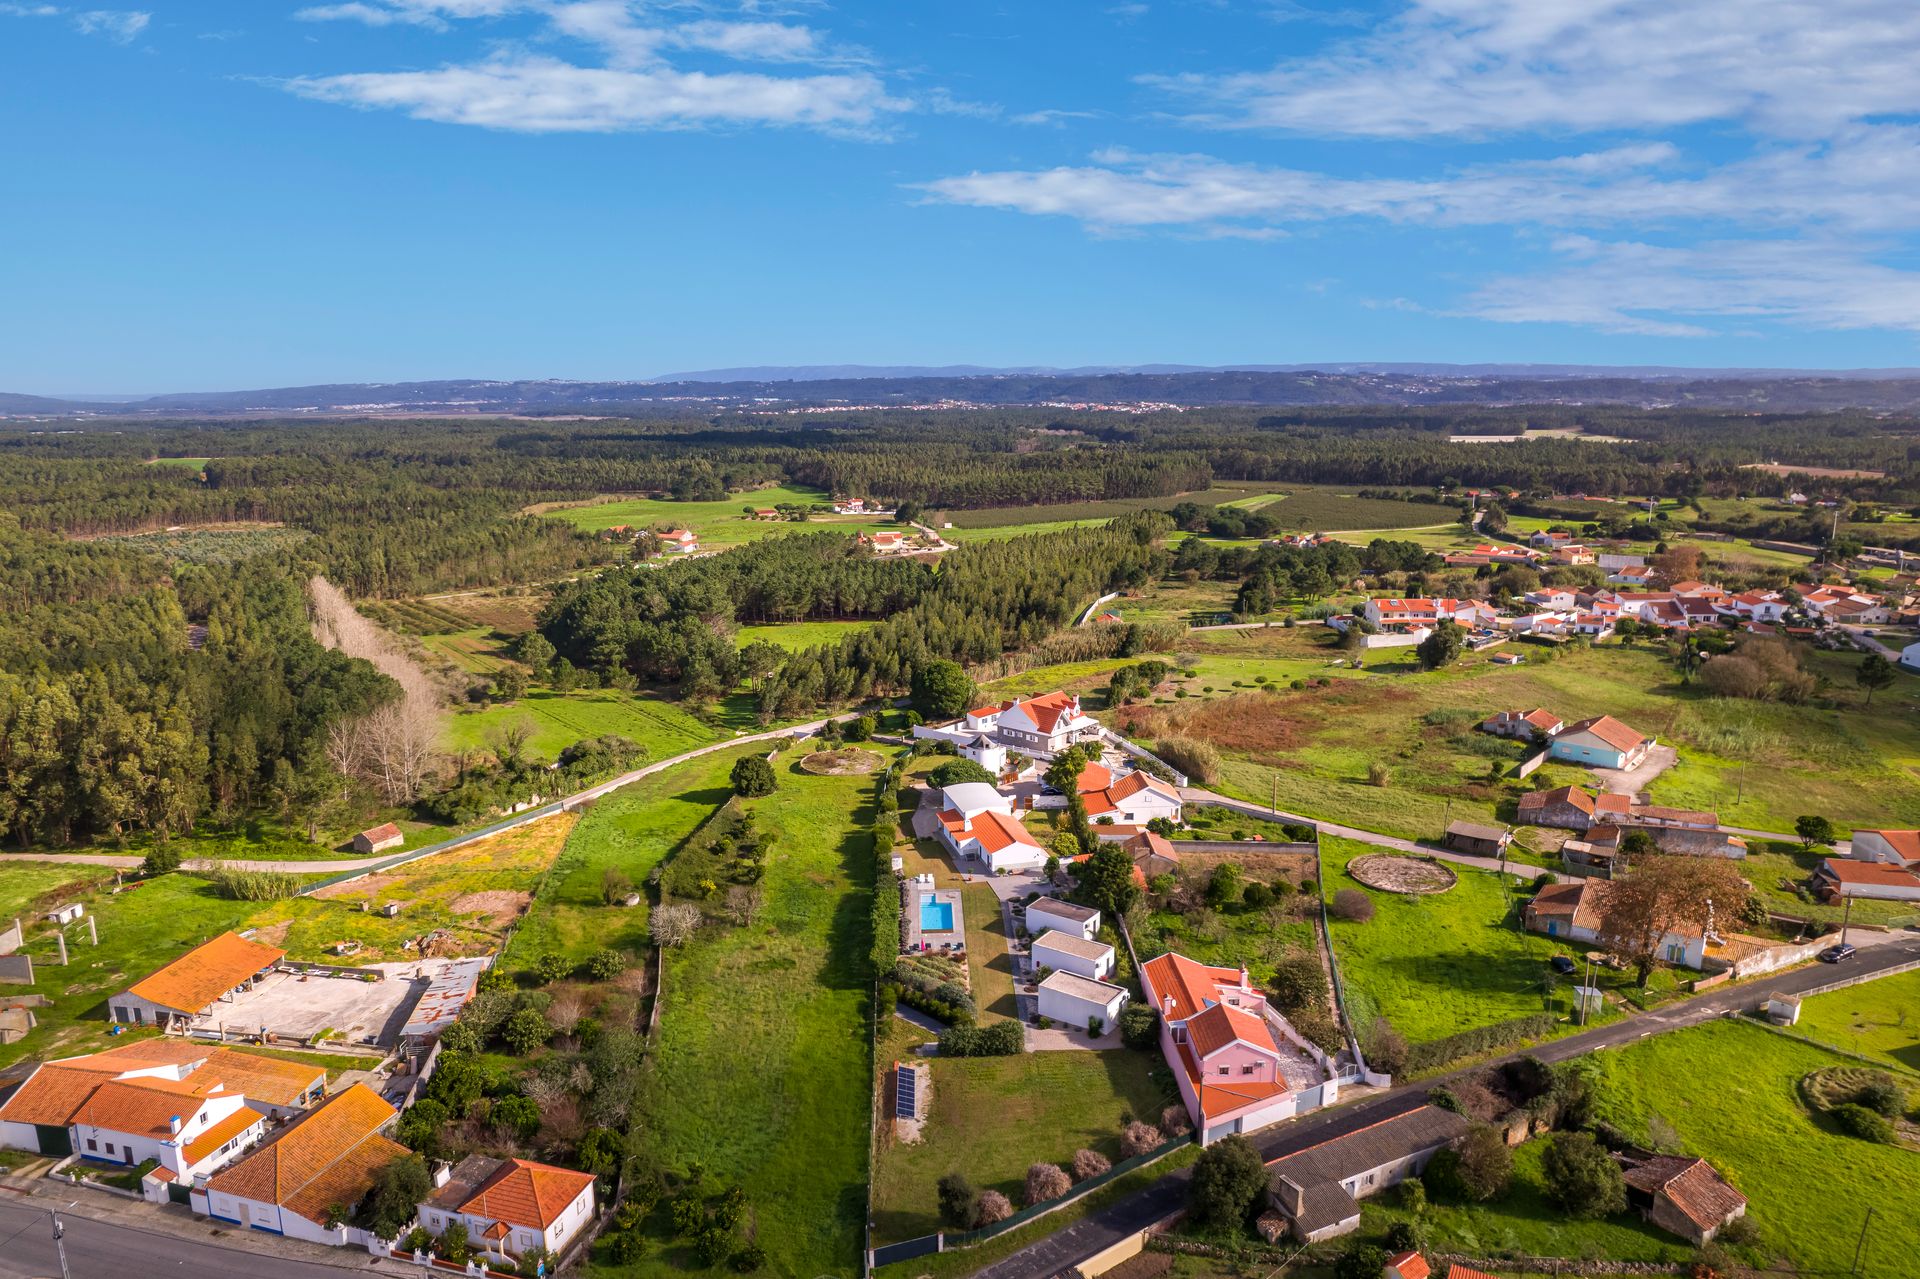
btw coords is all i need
(943, 1241)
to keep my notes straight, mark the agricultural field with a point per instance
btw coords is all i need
(990, 1117)
(1299, 506)
(717, 524)
(195, 464)
(472, 894)
(762, 1071)
(557, 720)
(798, 635)
(1878, 1019)
(1446, 962)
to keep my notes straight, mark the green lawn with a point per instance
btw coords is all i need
(557, 720)
(140, 929)
(1876, 1019)
(1730, 1092)
(989, 966)
(717, 524)
(24, 883)
(798, 635)
(762, 1070)
(991, 1117)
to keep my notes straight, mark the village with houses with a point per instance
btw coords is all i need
(1129, 920)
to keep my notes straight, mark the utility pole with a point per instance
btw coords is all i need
(59, 1242)
(1846, 917)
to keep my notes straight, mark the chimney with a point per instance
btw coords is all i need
(1289, 1193)
(173, 1125)
(1166, 1004)
(966, 821)
(441, 1173)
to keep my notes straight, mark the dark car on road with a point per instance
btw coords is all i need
(1834, 954)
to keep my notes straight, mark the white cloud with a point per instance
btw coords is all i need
(1626, 287)
(117, 25)
(369, 14)
(13, 10)
(545, 95)
(1788, 68)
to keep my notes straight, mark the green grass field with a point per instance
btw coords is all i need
(187, 463)
(993, 1116)
(799, 635)
(27, 886)
(1298, 506)
(1875, 1019)
(762, 1070)
(717, 524)
(1730, 1092)
(557, 720)
(1442, 963)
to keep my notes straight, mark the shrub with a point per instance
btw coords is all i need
(1378, 774)
(1360, 1261)
(675, 923)
(526, 1030)
(1581, 1177)
(1857, 1121)
(1139, 1026)
(162, 859)
(1257, 896)
(1002, 1039)
(1199, 760)
(1174, 1120)
(454, 1244)
(748, 1259)
(391, 1203)
(1138, 1138)
(1386, 1047)
(993, 1206)
(858, 729)
(1089, 1163)
(1436, 1053)
(1486, 1164)
(1229, 1178)
(1046, 1181)
(1351, 905)
(958, 771)
(605, 965)
(752, 775)
(959, 1200)
(418, 1240)
(552, 967)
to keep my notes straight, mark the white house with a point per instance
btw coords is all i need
(995, 839)
(1894, 847)
(1837, 878)
(1759, 606)
(971, 799)
(1046, 725)
(326, 1160)
(679, 541)
(189, 1107)
(986, 752)
(1553, 599)
(1411, 614)
(1572, 911)
(1132, 799)
(1073, 1000)
(1066, 917)
(511, 1207)
(1910, 657)
(1071, 953)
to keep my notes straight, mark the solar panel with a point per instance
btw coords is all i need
(906, 1092)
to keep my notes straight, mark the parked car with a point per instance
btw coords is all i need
(1561, 964)
(1834, 954)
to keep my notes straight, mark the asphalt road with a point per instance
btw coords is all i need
(1066, 1248)
(108, 1250)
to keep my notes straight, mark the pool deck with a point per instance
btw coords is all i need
(914, 937)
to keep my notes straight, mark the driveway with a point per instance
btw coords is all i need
(1634, 781)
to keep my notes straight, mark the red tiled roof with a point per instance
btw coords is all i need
(996, 831)
(141, 1107)
(1905, 843)
(1458, 1271)
(524, 1193)
(1411, 1265)
(1691, 1185)
(377, 833)
(1219, 1026)
(1842, 871)
(1191, 984)
(328, 1156)
(1611, 731)
(222, 1132)
(206, 972)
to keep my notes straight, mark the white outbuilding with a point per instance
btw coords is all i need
(1077, 921)
(1071, 953)
(1074, 1001)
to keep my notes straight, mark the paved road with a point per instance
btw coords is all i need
(1198, 795)
(338, 864)
(1066, 1248)
(98, 1249)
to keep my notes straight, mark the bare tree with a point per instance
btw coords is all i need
(743, 903)
(392, 746)
(675, 923)
(564, 1013)
(1666, 896)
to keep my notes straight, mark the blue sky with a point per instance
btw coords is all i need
(210, 195)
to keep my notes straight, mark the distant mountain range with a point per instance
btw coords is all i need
(844, 386)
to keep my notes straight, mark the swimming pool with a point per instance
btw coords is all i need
(936, 916)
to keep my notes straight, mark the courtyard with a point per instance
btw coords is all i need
(352, 1010)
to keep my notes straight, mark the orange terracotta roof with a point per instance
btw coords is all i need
(996, 831)
(1611, 731)
(1094, 777)
(50, 1096)
(1411, 1265)
(142, 1107)
(314, 1149)
(1048, 709)
(1905, 843)
(524, 1193)
(1458, 1271)
(1191, 984)
(377, 833)
(1845, 872)
(1219, 1026)
(206, 972)
(265, 1079)
(222, 1132)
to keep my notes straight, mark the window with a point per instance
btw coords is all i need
(91, 1145)
(1246, 1070)
(1225, 1070)
(109, 1147)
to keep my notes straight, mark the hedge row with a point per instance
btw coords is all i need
(1002, 1039)
(886, 888)
(1481, 1039)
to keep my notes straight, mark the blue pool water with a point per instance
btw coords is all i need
(936, 916)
